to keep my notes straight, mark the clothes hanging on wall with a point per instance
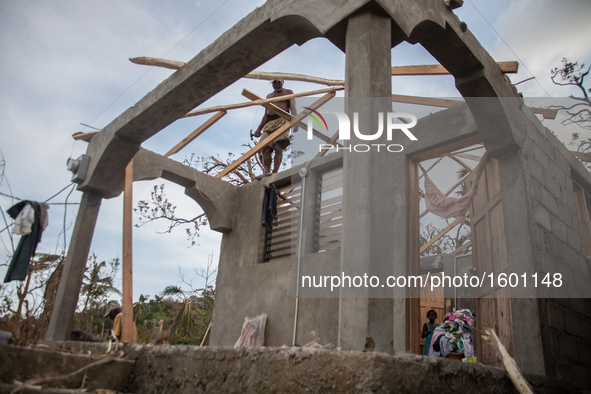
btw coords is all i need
(19, 264)
(269, 206)
(447, 207)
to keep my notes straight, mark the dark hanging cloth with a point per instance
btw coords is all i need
(19, 265)
(269, 206)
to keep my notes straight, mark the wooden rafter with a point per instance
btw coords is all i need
(260, 102)
(438, 236)
(438, 69)
(278, 111)
(187, 140)
(331, 141)
(446, 103)
(278, 133)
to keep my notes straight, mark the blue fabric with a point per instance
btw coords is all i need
(427, 341)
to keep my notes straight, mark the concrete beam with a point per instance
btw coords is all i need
(68, 290)
(216, 197)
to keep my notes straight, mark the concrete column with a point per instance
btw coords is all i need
(370, 197)
(68, 291)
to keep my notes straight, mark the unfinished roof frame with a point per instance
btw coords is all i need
(366, 31)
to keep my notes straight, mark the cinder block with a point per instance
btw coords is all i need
(556, 317)
(572, 324)
(549, 201)
(580, 377)
(574, 239)
(541, 158)
(553, 245)
(565, 214)
(571, 257)
(561, 161)
(559, 175)
(565, 371)
(542, 216)
(567, 348)
(548, 262)
(559, 228)
(537, 173)
(546, 147)
(584, 348)
(577, 305)
(552, 185)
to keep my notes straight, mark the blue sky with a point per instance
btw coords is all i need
(66, 62)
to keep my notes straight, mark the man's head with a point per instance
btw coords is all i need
(113, 309)
(277, 84)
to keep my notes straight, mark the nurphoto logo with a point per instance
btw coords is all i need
(409, 121)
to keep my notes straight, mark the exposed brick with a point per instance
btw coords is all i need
(567, 348)
(542, 216)
(556, 317)
(559, 228)
(580, 377)
(549, 201)
(572, 324)
(553, 245)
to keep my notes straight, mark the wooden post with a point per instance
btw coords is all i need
(414, 227)
(128, 329)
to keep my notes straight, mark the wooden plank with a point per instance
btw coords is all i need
(198, 131)
(285, 115)
(437, 69)
(438, 236)
(584, 156)
(445, 149)
(127, 266)
(271, 76)
(278, 133)
(157, 62)
(414, 302)
(583, 218)
(429, 101)
(332, 141)
(261, 102)
(464, 246)
(84, 136)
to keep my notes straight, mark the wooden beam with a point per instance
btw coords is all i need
(127, 333)
(438, 236)
(438, 69)
(414, 225)
(156, 62)
(268, 76)
(584, 156)
(446, 103)
(464, 246)
(187, 140)
(271, 76)
(332, 141)
(84, 136)
(278, 133)
(285, 115)
(261, 102)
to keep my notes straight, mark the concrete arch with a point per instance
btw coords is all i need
(216, 197)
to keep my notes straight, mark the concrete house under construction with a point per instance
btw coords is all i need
(531, 213)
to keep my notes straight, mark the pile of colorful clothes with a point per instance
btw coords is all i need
(453, 335)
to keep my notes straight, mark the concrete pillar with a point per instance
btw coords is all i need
(68, 291)
(370, 197)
